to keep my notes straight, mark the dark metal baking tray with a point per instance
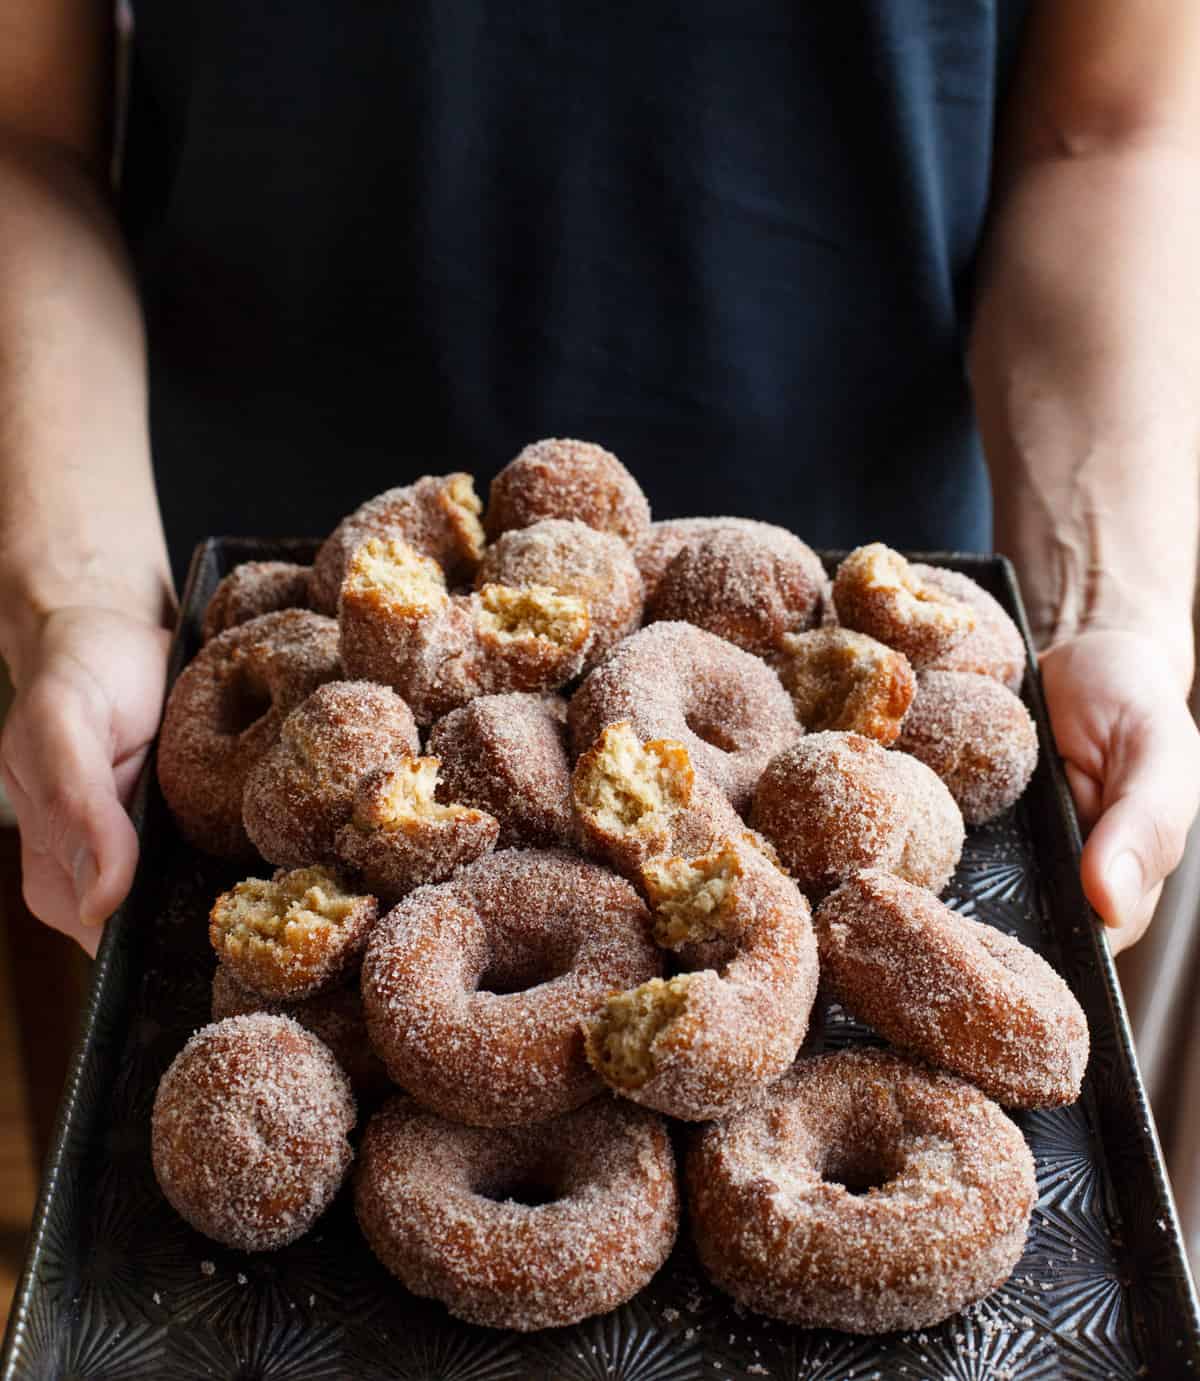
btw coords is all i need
(116, 1286)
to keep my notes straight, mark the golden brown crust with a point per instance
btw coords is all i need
(977, 736)
(440, 1205)
(252, 589)
(437, 515)
(834, 803)
(863, 1193)
(846, 681)
(561, 478)
(291, 936)
(878, 592)
(225, 712)
(474, 990)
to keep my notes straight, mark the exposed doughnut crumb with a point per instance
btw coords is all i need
(676, 681)
(692, 897)
(392, 575)
(437, 515)
(562, 478)
(292, 936)
(523, 1227)
(846, 681)
(994, 647)
(225, 712)
(834, 803)
(250, 1130)
(533, 611)
(303, 790)
(254, 588)
(621, 1039)
(863, 1193)
(401, 837)
(570, 558)
(474, 990)
(977, 736)
(953, 991)
(507, 755)
(878, 592)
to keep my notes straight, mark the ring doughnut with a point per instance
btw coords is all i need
(252, 589)
(877, 591)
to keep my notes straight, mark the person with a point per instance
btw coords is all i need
(748, 246)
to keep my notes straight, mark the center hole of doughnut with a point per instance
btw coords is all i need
(859, 1169)
(529, 1191)
(710, 731)
(519, 974)
(246, 701)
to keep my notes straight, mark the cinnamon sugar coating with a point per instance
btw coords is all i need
(400, 838)
(571, 558)
(953, 991)
(834, 803)
(437, 515)
(302, 792)
(878, 592)
(521, 1227)
(254, 588)
(507, 755)
(699, 1045)
(675, 681)
(863, 1193)
(561, 478)
(474, 990)
(976, 735)
(994, 647)
(334, 1016)
(292, 936)
(664, 540)
(635, 800)
(401, 627)
(750, 587)
(847, 681)
(249, 1135)
(225, 712)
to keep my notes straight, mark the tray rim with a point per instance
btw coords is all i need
(85, 1050)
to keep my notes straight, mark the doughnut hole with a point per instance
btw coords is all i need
(464, 508)
(847, 681)
(710, 731)
(247, 698)
(623, 786)
(878, 592)
(507, 615)
(620, 1041)
(388, 573)
(293, 936)
(692, 898)
(863, 1165)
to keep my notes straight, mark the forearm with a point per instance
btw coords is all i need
(79, 522)
(1085, 362)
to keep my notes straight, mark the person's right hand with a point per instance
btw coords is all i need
(89, 695)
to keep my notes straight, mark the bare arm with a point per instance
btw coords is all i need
(1085, 361)
(84, 580)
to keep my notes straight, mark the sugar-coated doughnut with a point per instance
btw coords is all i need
(249, 1135)
(833, 803)
(956, 992)
(699, 1045)
(571, 558)
(334, 1016)
(400, 626)
(976, 735)
(749, 586)
(293, 935)
(400, 837)
(994, 647)
(254, 588)
(662, 542)
(676, 681)
(877, 591)
(437, 515)
(636, 800)
(302, 792)
(561, 478)
(863, 1193)
(519, 1227)
(507, 755)
(474, 990)
(224, 714)
(839, 679)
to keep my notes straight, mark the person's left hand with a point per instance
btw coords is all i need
(1132, 755)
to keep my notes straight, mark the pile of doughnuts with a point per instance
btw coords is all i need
(566, 811)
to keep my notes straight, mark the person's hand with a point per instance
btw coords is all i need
(1132, 757)
(89, 696)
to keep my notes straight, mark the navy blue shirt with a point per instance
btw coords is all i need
(732, 240)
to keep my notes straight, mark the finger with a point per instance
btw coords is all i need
(1151, 794)
(58, 756)
(1123, 936)
(1087, 793)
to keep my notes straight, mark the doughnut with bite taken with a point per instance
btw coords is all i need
(876, 591)
(847, 681)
